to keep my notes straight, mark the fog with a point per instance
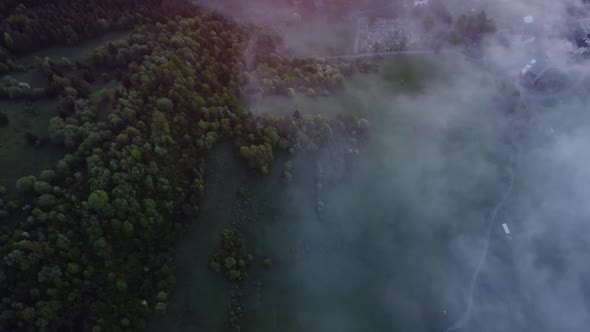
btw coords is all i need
(406, 229)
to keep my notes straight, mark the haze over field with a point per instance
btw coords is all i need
(438, 166)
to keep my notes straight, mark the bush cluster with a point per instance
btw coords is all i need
(232, 258)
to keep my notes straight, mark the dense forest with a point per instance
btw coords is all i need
(89, 245)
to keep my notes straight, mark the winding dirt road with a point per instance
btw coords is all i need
(464, 318)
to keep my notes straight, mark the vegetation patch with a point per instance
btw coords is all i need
(93, 244)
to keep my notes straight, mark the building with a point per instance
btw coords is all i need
(528, 19)
(389, 34)
(506, 229)
(582, 32)
(420, 3)
(533, 71)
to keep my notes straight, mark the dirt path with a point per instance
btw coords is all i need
(464, 318)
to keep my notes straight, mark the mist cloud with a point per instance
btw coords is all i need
(405, 229)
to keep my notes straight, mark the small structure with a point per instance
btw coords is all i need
(528, 19)
(528, 66)
(420, 3)
(507, 231)
(533, 71)
(388, 34)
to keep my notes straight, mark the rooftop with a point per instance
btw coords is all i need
(389, 34)
(534, 70)
(528, 19)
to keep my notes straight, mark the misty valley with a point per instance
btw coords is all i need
(294, 165)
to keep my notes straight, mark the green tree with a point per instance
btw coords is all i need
(98, 200)
(25, 184)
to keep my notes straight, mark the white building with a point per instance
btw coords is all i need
(528, 19)
(420, 3)
(506, 229)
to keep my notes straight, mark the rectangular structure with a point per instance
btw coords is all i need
(384, 34)
(506, 229)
